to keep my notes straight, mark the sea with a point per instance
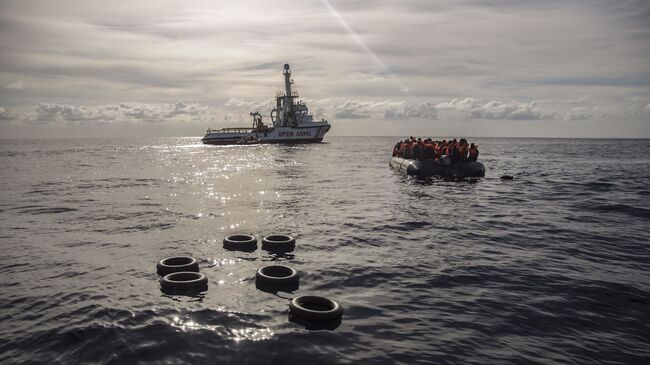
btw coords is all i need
(551, 267)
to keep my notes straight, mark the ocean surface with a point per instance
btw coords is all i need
(552, 267)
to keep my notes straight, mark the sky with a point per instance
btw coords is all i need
(410, 67)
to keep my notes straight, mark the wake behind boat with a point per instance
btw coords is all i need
(291, 122)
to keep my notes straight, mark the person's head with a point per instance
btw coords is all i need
(471, 145)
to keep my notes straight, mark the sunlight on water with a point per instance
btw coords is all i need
(222, 262)
(252, 334)
(235, 334)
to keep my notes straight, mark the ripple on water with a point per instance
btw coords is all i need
(551, 267)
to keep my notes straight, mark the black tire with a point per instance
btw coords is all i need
(315, 308)
(177, 264)
(278, 243)
(277, 275)
(243, 242)
(187, 282)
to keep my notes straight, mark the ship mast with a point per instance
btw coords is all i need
(288, 117)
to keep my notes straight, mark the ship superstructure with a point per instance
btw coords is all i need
(291, 122)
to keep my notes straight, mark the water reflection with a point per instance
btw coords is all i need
(236, 334)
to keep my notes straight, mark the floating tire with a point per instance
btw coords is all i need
(187, 282)
(243, 242)
(315, 309)
(278, 243)
(177, 264)
(277, 275)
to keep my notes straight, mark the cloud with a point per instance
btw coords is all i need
(18, 85)
(6, 115)
(388, 109)
(416, 56)
(410, 110)
(463, 105)
(497, 109)
(155, 113)
(72, 113)
(150, 113)
(352, 110)
(249, 105)
(578, 113)
(466, 108)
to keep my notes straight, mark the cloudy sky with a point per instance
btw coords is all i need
(462, 67)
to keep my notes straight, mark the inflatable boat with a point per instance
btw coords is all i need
(441, 168)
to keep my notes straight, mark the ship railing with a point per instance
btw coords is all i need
(280, 94)
(231, 130)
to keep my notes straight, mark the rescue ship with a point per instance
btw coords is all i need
(291, 122)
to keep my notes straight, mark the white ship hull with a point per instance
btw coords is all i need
(301, 134)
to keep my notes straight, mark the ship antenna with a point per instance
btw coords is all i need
(287, 103)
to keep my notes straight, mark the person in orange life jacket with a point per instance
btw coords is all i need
(454, 146)
(428, 150)
(462, 150)
(397, 148)
(417, 150)
(400, 151)
(407, 150)
(443, 147)
(473, 153)
(451, 151)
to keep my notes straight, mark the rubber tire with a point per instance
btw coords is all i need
(235, 241)
(270, 275)
(299, 307)
(185, 282)
(278, 242)
(171, 265)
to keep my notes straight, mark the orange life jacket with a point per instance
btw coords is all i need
(407, 151)
(462, 151)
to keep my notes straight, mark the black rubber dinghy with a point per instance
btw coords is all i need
(430, 168)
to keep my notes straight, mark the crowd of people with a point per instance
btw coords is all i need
(419, 149)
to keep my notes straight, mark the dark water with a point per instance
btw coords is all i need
(550, 268)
